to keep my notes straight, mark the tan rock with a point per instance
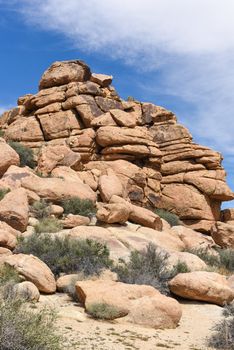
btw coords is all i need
(5, 251)
(231, 281)
(34, 270)
(51, 156)
(193, 262)
(52, 108)
(58, 125)
(201, 285)
(193, 239)
(64, 282)
(123, 118)
(67, 174)
(14, 209)
(143, 304)
(56, 189)
(26, 290)
(75, 220)
(105, 119)
(7, 239)
(108, 103)
(64, 72)
(101, 79)
(113, 213)
(24, 129)
(8, 157)
(223, 234)
(56, 210)
(109, 185)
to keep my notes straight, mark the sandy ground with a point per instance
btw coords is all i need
(84, 333)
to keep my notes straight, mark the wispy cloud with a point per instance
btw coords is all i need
(191, 42)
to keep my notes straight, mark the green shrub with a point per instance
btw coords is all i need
(22, 329)
(67, 255)
(227, 259)
(149, 268)
(41, 209)
(223, 336)
(2, 133)
(3, 192)
(104, 311)
(77, 206)
(224, 259)
(171, 218)
(8, 274)
(48, 225)
(25, 154)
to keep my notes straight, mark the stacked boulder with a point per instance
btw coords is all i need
(77, 119)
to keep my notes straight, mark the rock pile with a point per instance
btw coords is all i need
(77, 119)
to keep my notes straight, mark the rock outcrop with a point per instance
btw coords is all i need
(153, 159)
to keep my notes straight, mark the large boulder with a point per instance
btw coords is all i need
(60, 73)
(33, 270)
(52, 156)
(109, 185)
(26, 290)
(223, 234)
(14, 209)
(201, 285)
(57, 189)
(144, 305)
(8, 157)
(113, 213)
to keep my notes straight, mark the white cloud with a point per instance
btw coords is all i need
(3, 109)
(190, 41)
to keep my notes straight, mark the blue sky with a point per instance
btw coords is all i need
(174, 53)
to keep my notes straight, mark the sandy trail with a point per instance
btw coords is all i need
(85, 333)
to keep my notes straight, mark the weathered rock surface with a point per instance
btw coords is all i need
(14, 209)
(34, 270)
(152, 156)
(26, 290)
(223, 234)
(8, 157)
(202, 285)
(143, 304)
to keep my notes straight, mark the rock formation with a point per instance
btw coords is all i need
(77, 119)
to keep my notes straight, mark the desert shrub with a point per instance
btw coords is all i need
(41, 209)
(25, 154)
(79, 206)
(8, 274)
(48, 225)
(204, 254)
(2, 133)
(224, 259)
(3, 192)
(67, 255)
(104, 311)
(22, 329)
(223, 336)
(150, 268)
(171, 218)
(227, 259)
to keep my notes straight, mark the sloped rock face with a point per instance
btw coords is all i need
(152, 155)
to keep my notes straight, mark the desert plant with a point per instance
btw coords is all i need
(41, 209)
(77, 206)
(48, 225)
(171, 218)
(22, 329)
(223, 336)
(8, 274)
(104, 311)
(150, 268)
(220, 259)
(25, 154)
(227, 259)
(211, 259)
(67, 255)
(2, 133)
(3, 192)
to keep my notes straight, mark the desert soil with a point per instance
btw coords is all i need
(82, 332)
